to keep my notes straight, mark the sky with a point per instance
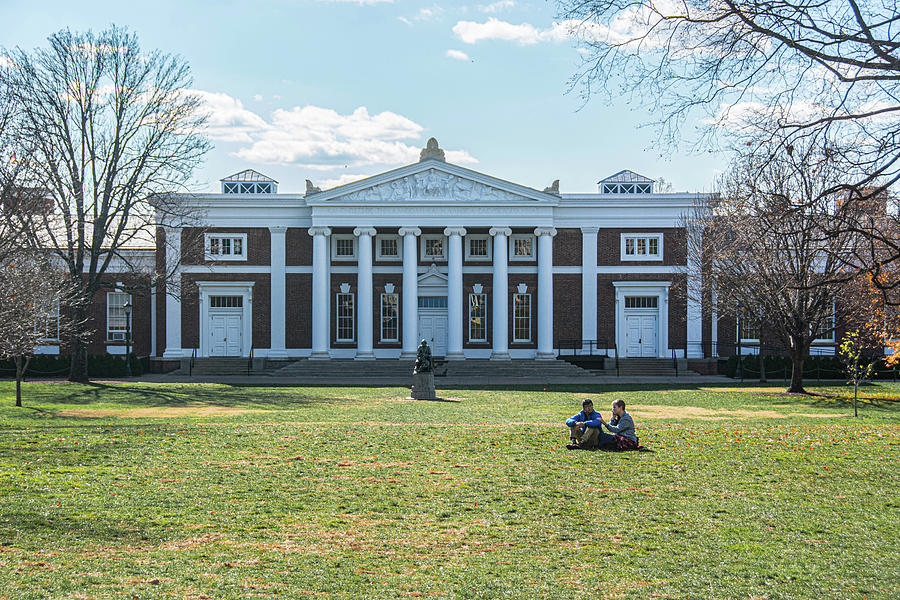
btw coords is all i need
(337, 90)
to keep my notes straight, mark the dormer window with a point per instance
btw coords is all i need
(249, 181)
(237, 187)
(627, 188)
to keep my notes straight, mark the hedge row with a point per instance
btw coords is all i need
(56, 365)
(814, 367)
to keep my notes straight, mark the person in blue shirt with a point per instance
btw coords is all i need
(585, 432)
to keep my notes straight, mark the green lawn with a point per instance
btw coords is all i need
(214, 491)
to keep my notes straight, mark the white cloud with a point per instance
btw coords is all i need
(343, 179)
(424, 14)
(257, 97)
(360, 2)
(524, 34)
(496, 6)
(457, 54)
(317, 138)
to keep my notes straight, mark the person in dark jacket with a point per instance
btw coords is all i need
(584, 429)
(621, 426)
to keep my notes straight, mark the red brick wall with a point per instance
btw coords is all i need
(258, 240)
(298, 247)
(161, 292)
(606, 306)
(298, 325)
(567, 251)
(609, 246)
(140, 315)
(260, 311)
(566, 307)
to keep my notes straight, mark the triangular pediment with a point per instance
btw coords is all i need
(432, 278)
(429, 182)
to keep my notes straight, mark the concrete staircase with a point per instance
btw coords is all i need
(402, 369)
(219, 366)
(647, 367)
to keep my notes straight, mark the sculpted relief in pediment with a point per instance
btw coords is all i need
(431, 185)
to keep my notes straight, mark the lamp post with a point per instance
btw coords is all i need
(128, 338)
(739, 371)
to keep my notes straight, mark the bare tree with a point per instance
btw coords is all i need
(766, 247)
(103, 130)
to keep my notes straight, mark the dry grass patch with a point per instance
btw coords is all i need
(190, 410)
(651, 412)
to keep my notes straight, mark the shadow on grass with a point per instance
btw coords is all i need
(30, 524)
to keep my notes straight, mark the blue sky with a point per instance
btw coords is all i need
(335, 90)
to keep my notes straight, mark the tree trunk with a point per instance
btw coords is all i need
(78, 367)
(762, 367)
(855, 391)
(797, 358)
(20, 371)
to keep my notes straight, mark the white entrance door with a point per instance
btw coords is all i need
(433, 329)
(226, 334)
(640, 336)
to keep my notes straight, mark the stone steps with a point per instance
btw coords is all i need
(356, 369)
(217, 366)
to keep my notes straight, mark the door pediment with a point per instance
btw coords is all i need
(431, 182)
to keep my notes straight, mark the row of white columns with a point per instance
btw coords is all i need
(410, 301)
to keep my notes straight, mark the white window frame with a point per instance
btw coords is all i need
(627, 188)
(338, 317)
(127, 299)
(488, 244)
(55, 316)
(737, 324)
(641, 257)
(484, 308)
(380, 256)
(512, 246)
(344, 236)
(248, 187)
(424, 244)
(833, 318)
(516, 339)
(207, 237)
(396, 318)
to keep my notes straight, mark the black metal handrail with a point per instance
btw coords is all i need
(598, 347)
(711, 349)
(250, 362)
(675, 362)
(616, 348)
(191, 363)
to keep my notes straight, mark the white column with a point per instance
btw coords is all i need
(364, 283)
(278, 291)
(545, 292)
(714, 322)
(320, 296)
(589, 283)
(694, 298)
(410, 291)
(454, 294)
(500, 330)
(173, 294)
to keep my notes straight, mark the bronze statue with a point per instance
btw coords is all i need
(424, 363)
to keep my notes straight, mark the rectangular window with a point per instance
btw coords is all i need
(521, 247)
(641, 301)
(226, 247)
(387, 247)
(390, 317)
(345, 317)
(826, 328)
(343, 248)
(748, 328)
(477, 317)
(432, 301)
(116, 320)
(478, 248)
(226, 301)
(50, 324)
(642, 246)
(521, 317)
(433, 247)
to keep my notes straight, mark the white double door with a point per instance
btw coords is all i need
(226, 330)
(641, 335)
(433, 329)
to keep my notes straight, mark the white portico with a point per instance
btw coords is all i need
(433, 194)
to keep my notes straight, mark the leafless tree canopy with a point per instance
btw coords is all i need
(767, 248)
(101, 131)
(829, 69)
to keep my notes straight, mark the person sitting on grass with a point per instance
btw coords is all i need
(584, 428)
(621, 425)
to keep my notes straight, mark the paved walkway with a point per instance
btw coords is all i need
(439, 382)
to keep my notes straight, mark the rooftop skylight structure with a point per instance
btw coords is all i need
(626, 182)
(249, 181)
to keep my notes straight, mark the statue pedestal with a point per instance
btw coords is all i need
(423, 387)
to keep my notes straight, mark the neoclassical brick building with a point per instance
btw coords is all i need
(479, 266)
